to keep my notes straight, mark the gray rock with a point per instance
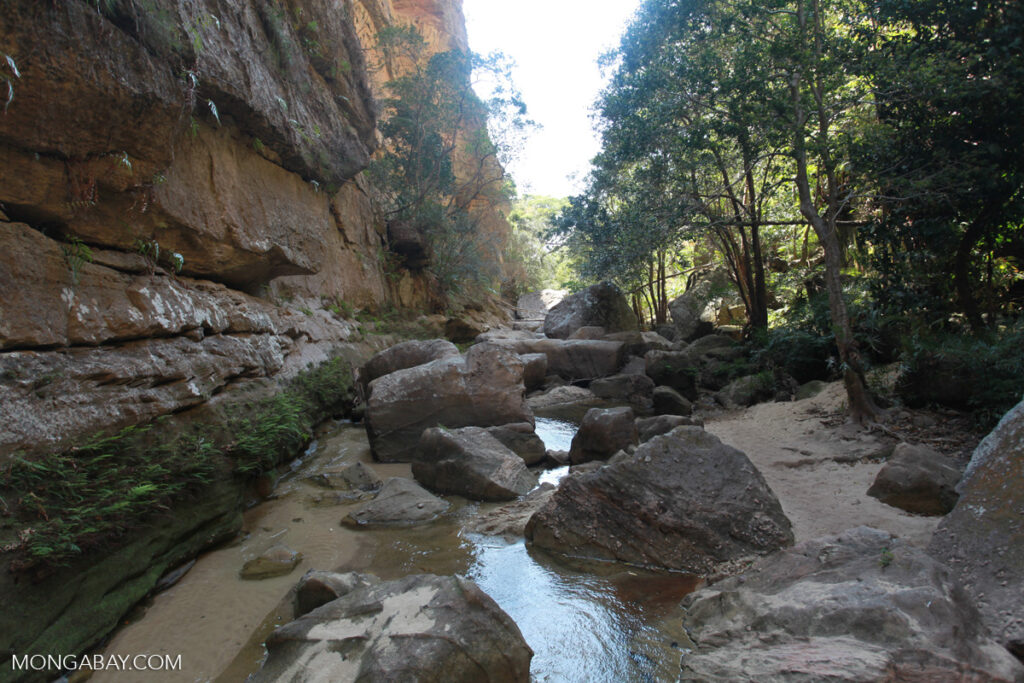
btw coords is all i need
(483, 389)
(276, 561)
(418, 628)
(598, 305)
(685, 501)
(667, 331)
(982, 539)
(676, 369)
(510, 519)
(556, 458)
(564, 402)
(355, 477)
(535, 305)
(521, 439)
(470, 462)
(593, 332)
(668, 401)
(859, 607)
(317, 588)
(401, 502)
(686, 311)
(649, 427)
(634, 389)
(917, 479)
(746, 391)
(407, 354)
(535, 369)
(571, 359)
(602, 433)
(638, 343)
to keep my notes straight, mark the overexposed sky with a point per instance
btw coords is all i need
(555, 44)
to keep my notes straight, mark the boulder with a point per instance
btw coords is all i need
(917, 479)
(675, 369)
(471, 463)
(686, 311)
(668, 401)
(401, 502)
(356, 478)
(462, 331)
(982, 539)
(407, 354)
(589, 332)
(276, 561)
(317, 588)
(535, 305)
(601, 305)
(862, 606)
(483, 389)
(535, 369)
(746, 391)
(521, 439)
(685, 501)
(602, 433)
(649, 427)
(571, 359)
(418, 628)
(634, 389)
(639, 343)
(666, 331)
(564, 402)
(510, 519)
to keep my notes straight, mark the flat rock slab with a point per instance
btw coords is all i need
(401, 502)
(277, 561)
(418, 628)
(859, 607)
(600, 305)
(470, 462)
(684, 501)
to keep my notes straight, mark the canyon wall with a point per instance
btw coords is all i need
(183, 202)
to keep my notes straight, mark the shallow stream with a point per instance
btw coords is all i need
(604, 623)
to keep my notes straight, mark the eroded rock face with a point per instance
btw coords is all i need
(683, 501)
(982, 539)
(421, 627)
(470, 462)
(862, 606)
(601, 305)
(917, 479)
(483, 389)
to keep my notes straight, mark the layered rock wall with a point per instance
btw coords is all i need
(225, 138)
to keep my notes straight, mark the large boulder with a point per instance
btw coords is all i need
(746, 391)
(483, 389)
(601, 305)
(564, 402)
(418, 628)
(684, 501)
(401, 502)
(686, 311)
(859, 607)
(471, 463)
(633, 389)
(407, 354)
(917, 479)
(521, 439)
(535, 369)
(668, 401)
(603, 433)
(676, 369)
(982, 539)
(571, 359)
(638, 343)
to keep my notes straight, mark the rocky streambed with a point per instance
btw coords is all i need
(584, 623)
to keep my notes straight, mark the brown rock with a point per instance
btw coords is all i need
(668, 401)
(401, 502)
(318, 588)
(521, 439)
(535, 370)
(917, 479)
(600, 305)
(483, 389)
(602, 433)
(407, 354)
(277, 561)
(471, 463)
(684, 501)
(649, 427)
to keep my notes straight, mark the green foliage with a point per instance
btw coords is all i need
(68, 503)
(532, 262)
(885, 558)
(65, 504)
(983, 374)
(150, 250)
(76, 253)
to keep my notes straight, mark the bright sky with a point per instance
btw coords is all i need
(555, 44)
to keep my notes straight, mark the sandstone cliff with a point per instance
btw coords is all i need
(224, 136)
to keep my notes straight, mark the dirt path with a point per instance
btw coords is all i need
(819, 467)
